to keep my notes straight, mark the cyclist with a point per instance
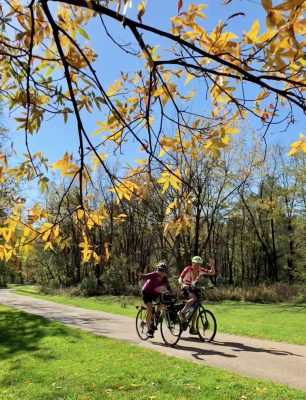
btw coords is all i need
(154, 284)
(188, 279)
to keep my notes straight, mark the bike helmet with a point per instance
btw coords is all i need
(197, 260)
(162, 267)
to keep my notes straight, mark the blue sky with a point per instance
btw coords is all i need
(54, 137)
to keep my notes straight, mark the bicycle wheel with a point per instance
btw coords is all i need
(141, 324)
(206, 325)
(170, 328)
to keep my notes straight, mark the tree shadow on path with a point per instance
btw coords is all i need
(235, 346)
(197, 352)
(243, 347)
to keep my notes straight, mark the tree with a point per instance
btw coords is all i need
(48, 69)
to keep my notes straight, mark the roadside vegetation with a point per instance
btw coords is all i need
(46, 360)
(281, 322)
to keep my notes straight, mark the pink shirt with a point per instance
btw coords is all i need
(153, 282)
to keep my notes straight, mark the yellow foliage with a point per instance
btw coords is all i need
(188, 77)
(124, 189)
(171, 206)
(298, 146)
(66, 165)
(251, 36)
(169, 178)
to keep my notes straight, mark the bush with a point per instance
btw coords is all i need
(276, 293)
(114, 278)
(89, 286)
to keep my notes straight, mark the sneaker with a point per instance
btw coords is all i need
(150, 333)
(193, 331)
(184, 325)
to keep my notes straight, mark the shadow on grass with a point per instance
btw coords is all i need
(21, 332)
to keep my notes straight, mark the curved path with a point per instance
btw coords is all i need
(264, 359)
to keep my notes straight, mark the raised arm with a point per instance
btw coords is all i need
(211, 268)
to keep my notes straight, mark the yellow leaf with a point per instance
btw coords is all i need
(107, 251)
(224, 139)
(232, 131)
(170, 178)
(48, 245)
(96, 258)
(158, 91)
(267, 5)
(188, 77)
(26, 231)
(299, 145)
(7, 234)
(266, 35)
(56, 231)
(181, 224)
(80, 213)
(82, 32)
(142, 162)
(141, 10)
(171, 206)
(177, 20)
(8, 255)
(251, 36)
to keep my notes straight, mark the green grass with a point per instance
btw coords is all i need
(41, 359)
(280, 322)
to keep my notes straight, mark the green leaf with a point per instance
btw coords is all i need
(82, 32)
(49, 71)
(43, 183)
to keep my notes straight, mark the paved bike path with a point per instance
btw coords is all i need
(264, 359)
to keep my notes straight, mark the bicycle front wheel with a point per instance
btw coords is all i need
(170, 328)
(141, 324)
(206, 325)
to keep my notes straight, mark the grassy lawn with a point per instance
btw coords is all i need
(280, 322)
(41, 359)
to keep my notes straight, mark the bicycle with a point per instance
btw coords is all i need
(168, 320)
(206, 323)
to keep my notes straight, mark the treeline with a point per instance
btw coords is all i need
(245, 208)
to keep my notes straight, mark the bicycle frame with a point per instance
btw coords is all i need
(198, 306)
(170, 328)
(206, 324)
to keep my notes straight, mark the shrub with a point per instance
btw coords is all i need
(89, 286)
(114, 277)
(275, 293)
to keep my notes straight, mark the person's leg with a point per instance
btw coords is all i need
(192, 299)
(149, 317)
(147, 299)
(159, 307)
(192, 329)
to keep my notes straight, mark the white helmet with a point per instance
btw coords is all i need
(197, 260)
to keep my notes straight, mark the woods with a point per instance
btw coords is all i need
(254, 226)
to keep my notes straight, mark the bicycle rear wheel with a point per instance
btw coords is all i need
(141, 324)
(170, 328)
(206, 325)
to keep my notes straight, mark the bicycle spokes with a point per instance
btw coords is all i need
(141, 324)
(206, 325)
(170, 328)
